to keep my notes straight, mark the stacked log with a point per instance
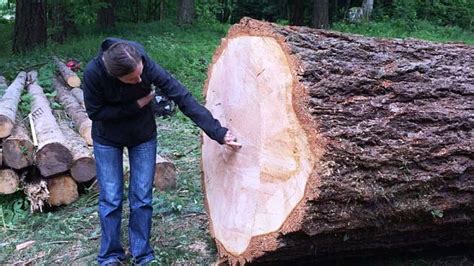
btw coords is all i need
(9, 181)
(62, 190)
(357, 145)
(83, 164)
(74, 109)
(18, 149)
(67, 74)
(53, 156)
(9, 104)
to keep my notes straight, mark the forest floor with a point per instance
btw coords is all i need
(70, 234)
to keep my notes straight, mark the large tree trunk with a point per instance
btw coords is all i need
(18, 149)
(76, 111)
(356, 145)
(321, 14)
(53, 156)
(186, 11)
(9, 104)
(69, 76)
(30, 25)
(83, 165)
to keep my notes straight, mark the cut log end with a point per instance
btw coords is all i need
(6, 126)
(268, 175)
(165, 174)
(9, 181)
(83, 169)
(18, 153)
(53, 158)
(73, 81)
(62, 190)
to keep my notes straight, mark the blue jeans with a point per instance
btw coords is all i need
(109, 163)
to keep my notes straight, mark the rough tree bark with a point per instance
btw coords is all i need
(30, 25)
(69, 76)
(186, 12)
(9, 104)
(356, 145)
(18, 149)
(83, 165)
(52, 156)
(79, 94)
(62, 190)
(76, 111)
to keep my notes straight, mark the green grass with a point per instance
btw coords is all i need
(420, 29)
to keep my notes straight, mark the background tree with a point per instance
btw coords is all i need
(106, 15)
(186, 12)
(30, 27)
(321, 14)
(296, 12)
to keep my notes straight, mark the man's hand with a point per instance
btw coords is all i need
(231, 141)
(145, 100)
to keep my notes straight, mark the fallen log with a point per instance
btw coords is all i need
(357, 145)
(69, 76)
(83, 164)
(9, 104)
(76, 111)
(62, 190)
(52, 156)
(79, 94)
(165, 174)
(9, 181)
(18, 149)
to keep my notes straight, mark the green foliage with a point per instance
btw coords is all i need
(420, 29)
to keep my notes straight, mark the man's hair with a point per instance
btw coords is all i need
(121, 59)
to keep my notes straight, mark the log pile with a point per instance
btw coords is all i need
(47, 153)
(351, 145)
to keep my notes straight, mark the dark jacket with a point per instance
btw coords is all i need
(117, 120)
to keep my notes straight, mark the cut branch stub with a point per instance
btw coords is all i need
(9, 104)
(69, 76)
(341, 135)
(53, 156)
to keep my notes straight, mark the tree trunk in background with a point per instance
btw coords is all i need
(30, 25)
(358, 145)
(320, 14)
(367, 7)
(186, 11)
(296, 12)
(106, 15)
(61, 21)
